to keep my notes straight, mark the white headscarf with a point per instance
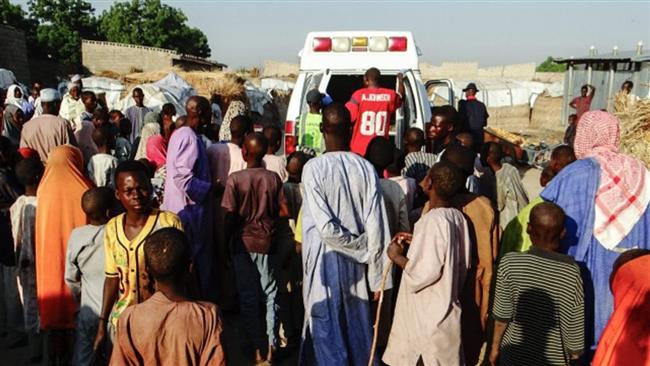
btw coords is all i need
(12, 100)
(149, 130)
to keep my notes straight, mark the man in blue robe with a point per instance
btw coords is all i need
(345, 236)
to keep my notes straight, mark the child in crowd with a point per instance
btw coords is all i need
(310, 122)
(101, 118)
(511, 194)
(380, 154)
(570, 133)
(273, 162)
(101, 166)
(546, 176)
(408, 185)
(115, 116)
(427, 325)
(169, 328)
(122, 143)
(482, 181)
(539, 300)
(167, 115)
(126, 281)
(253, 202)
(290, 275)
(23, 224)
(417, 161)
(84, 127)
(89, 100)
(84, 270)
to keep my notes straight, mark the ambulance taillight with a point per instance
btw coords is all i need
(290, 140)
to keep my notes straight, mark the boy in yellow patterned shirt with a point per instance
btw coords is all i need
(127, 282)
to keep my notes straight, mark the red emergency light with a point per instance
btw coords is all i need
(322, 44)
(397, 44)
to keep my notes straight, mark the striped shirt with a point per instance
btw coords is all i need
(539, 294)
(417, 165)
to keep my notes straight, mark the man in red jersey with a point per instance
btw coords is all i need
(372, 110)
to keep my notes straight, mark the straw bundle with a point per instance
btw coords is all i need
(547, 113)
(206, 83)
(512, 118)
(634, 116)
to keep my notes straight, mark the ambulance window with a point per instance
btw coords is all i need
(312, 81)
(439, 95)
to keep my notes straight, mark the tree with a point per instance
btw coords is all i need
(550, 66)
(61, 26)
(15, 16)
(150, 23)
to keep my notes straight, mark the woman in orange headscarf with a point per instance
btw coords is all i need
(58, 213)
(626, 338)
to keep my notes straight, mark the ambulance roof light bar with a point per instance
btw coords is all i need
(359, 44)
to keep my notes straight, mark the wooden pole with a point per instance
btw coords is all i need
(378, 316)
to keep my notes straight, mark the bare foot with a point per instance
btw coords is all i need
(258, 357)
(269, 355)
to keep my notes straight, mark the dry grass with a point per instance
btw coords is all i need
(514, 119)
(635, 126)
(206, 83)
(109, 74)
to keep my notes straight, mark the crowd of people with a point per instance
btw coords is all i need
(127, 236)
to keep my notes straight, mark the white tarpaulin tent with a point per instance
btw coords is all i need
(176, 86)
(502, 92)
(111, 87)
(154, 98)
(276, 84)
(257, 97)
(7, 78)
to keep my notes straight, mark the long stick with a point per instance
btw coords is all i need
(381, 300)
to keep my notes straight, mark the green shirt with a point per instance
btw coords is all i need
(515, 236)
(311, 135)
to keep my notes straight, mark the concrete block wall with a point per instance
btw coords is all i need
(273, 68)
(519, 71)
(121, 58)
(454, 70)
(471, 71)
(14, 53)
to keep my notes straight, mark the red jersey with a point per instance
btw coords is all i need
(371, 110)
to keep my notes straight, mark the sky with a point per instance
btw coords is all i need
(245, 33)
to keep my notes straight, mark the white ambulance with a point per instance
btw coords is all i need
(335, 62)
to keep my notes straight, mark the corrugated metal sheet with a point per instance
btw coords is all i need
(620, 56)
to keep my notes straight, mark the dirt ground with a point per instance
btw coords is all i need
(233, 336)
